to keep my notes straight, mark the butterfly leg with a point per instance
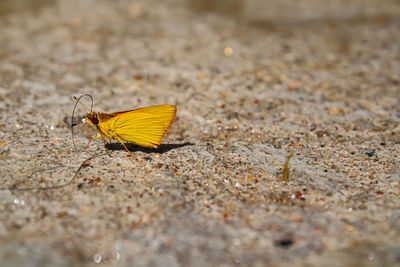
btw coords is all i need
(97, 136)
(90, 139)
(104, 142)
(122, 142)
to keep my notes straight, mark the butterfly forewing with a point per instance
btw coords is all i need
(166, 113)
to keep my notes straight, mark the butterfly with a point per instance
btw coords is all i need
(143, 126)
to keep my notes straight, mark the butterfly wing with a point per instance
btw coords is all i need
(145, 126)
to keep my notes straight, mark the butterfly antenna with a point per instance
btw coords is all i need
(78, 100)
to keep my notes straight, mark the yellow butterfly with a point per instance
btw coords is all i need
(143, 126)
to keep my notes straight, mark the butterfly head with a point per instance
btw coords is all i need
(92, 118)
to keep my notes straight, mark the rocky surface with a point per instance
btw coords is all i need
(251, 88)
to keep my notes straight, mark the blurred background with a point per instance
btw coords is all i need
(257, 11)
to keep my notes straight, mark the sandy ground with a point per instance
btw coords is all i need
(250, 90)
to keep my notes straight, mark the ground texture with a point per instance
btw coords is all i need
(251, 87)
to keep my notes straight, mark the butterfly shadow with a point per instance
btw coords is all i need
(133, 148)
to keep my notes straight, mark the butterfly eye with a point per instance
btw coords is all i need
(95, 120)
